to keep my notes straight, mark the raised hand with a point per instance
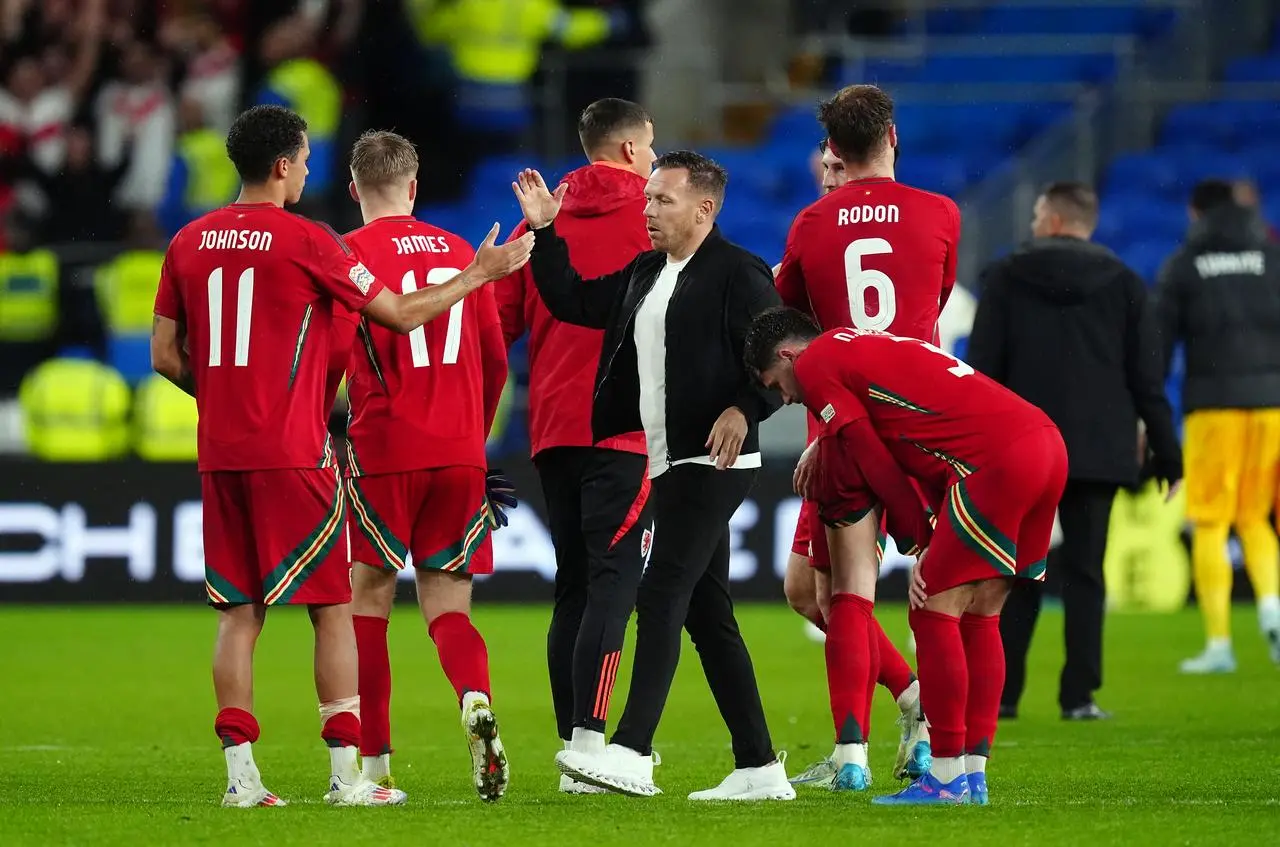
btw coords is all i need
(540, 205)
(495, 261)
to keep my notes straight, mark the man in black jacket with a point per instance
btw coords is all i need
(1064, 323)
(1220, 295)
(675, 320)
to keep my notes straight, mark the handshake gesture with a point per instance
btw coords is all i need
(540, 205)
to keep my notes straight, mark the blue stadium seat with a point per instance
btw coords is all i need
(943, 174)
(1147, 257)
(1091, 68)
(130, 355)
(1127, 219)
(1142, 173)
(1065, 19)
(1254, 69)
(795, 126)
(497, 173)
(1202, 123)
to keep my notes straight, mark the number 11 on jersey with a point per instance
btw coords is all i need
(453, 333)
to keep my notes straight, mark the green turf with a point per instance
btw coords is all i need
(106, 738)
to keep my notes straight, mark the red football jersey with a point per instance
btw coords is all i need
(418, 401)
(255, 287)
(874, 254)
(939, 418)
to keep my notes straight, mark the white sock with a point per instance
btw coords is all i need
(910, 697)
(1219, 645)
(240, 764)
(472, 697)
(568, 745)
(948, 769)
(344, 763)
(587, 741)
(376, 767)
(850, 754)
(975, 764)
(1269, 611)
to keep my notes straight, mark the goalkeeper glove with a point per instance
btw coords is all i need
(499, 495)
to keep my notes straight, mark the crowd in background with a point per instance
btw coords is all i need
(113, 116)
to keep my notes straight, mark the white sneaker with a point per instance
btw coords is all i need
(1212, 660)
(489, 769)
(362, 793)
(243, 793)
(618, 768)
(764, 783)
(812, 632)
(569, 785)
(914, 752)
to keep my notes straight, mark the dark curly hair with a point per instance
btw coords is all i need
(262, 136)
(770, 329)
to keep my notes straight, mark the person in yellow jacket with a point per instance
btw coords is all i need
(495, 46)
(75, 410)
(202, 178)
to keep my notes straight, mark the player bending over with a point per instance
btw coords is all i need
(421, 409)
(992, 465)
(878, 255)
(244, 314)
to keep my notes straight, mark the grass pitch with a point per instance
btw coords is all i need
(106, 738)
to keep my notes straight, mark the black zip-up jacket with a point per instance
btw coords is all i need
(717, 295)
(1220, 295)
(1065, 325)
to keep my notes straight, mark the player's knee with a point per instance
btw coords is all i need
(798, 590)
(989, 596)
(373, 590)
(443, 592)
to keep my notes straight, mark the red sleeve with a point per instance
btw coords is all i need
(509, 294)
(168, 297)
(336, 270)
(493, 355)
(846, 419)
(789, 279)
(825, 394)
(906, 518)
(949, 268)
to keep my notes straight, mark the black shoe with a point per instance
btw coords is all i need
(1007, 712)
(1087, 712)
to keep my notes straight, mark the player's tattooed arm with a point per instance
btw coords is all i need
(404, 313)
(169, 353)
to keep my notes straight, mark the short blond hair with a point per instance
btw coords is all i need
(382, 159)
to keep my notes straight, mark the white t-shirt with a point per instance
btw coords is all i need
(651, 367)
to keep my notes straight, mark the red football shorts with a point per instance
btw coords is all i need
(437, 515)
(997, 521)
(275, 537)
(810, 539)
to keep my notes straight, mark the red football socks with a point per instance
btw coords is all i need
(944, 679)
(463, 654)
(850, 666)
(374, 685)
(984, 656)
(341, 730)
(235, 727)
(895, 674)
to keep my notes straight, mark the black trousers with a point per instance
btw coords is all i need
(599, 516)
(1085, 512)
(687, 584)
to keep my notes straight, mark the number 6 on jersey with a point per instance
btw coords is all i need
(859, 279)
(453, 333)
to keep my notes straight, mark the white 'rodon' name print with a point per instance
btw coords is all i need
(235, 239)
(866, 214)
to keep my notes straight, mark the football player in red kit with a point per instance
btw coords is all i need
(876, 254)
(993, 467)
(421, 409)
(243, 319)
